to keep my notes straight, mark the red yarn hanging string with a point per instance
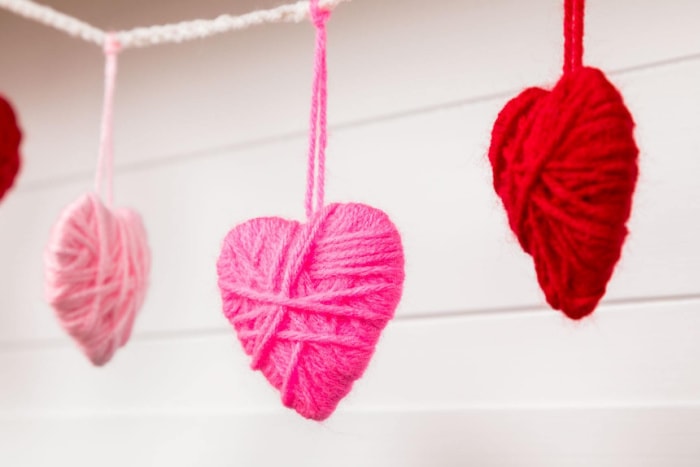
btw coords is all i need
(565, 166)
(10, 139)
(573, 35)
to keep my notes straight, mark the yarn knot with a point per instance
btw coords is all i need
(319, 16)
(112, 46)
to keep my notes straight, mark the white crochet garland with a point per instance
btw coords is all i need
(166, 33)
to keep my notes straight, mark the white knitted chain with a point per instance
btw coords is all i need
(166, 33)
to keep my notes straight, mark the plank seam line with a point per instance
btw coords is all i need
(610, 306)
(73, 413)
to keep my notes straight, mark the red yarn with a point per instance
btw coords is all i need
(565, 165)
(10, 138)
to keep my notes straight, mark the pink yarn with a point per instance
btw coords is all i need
(318, 133)
(97, 264)
(97, 260)
(309, 301)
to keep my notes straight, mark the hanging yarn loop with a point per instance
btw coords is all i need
(318, 131)
(573, 34)
(10, 140)
(97, 260)
(565, 166)
(105, 158)
(309, 301)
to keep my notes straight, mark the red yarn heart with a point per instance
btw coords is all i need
(565, 165)
(309, 301)
(10, 138)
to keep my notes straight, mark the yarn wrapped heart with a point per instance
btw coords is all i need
(565, 166)
(309, 301)
(97, 264)
(10, 138)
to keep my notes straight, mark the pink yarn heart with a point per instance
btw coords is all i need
(97, 259)
(97, 264)
(309, 301)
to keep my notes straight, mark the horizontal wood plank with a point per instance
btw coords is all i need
(627, 354)
(604, 437)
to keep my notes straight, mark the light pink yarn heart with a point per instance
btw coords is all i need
(309, 301)
(97, 264)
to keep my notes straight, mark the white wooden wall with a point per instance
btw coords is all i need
(475, 369)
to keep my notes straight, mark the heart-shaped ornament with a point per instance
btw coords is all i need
(565, 166)
(309, 301)
(10, 138)
(97, 265)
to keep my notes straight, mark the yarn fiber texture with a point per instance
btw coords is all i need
(10, 139)
(565, 166)
(309, 301)
(97, 265)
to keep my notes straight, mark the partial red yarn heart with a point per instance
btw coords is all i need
(309, 301)
(10, 138)
(565, 165)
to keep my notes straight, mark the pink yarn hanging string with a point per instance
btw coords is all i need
(318, 131)
(105, 161)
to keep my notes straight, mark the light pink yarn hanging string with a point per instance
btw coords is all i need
(97, 260)
(309, 300)
(105, 161)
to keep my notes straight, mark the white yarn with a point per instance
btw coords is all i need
(162, 34)
(55, 19)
